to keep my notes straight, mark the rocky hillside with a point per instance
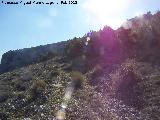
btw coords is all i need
(128, 91)
(23, 57)
(118, 72)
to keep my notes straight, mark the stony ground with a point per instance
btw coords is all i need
(94, 101)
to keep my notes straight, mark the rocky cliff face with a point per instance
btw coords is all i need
(19, 58)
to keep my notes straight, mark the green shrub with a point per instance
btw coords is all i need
(96, 71)
(37, 88)
(124, 84)
(47, 56)
(74, 48)
(93, 74)
(77, 79)
(125, 77)
(18, 85)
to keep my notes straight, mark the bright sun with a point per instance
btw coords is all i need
(106, 11)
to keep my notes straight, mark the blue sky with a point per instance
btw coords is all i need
(33, 25)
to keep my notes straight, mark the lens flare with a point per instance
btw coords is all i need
(106, 11)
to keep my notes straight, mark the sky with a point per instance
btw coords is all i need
(25, 26)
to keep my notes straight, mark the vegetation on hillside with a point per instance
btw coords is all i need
(115, 75)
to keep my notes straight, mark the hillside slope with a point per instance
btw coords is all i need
(23, 57)
(120, 77)
(97, 99)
